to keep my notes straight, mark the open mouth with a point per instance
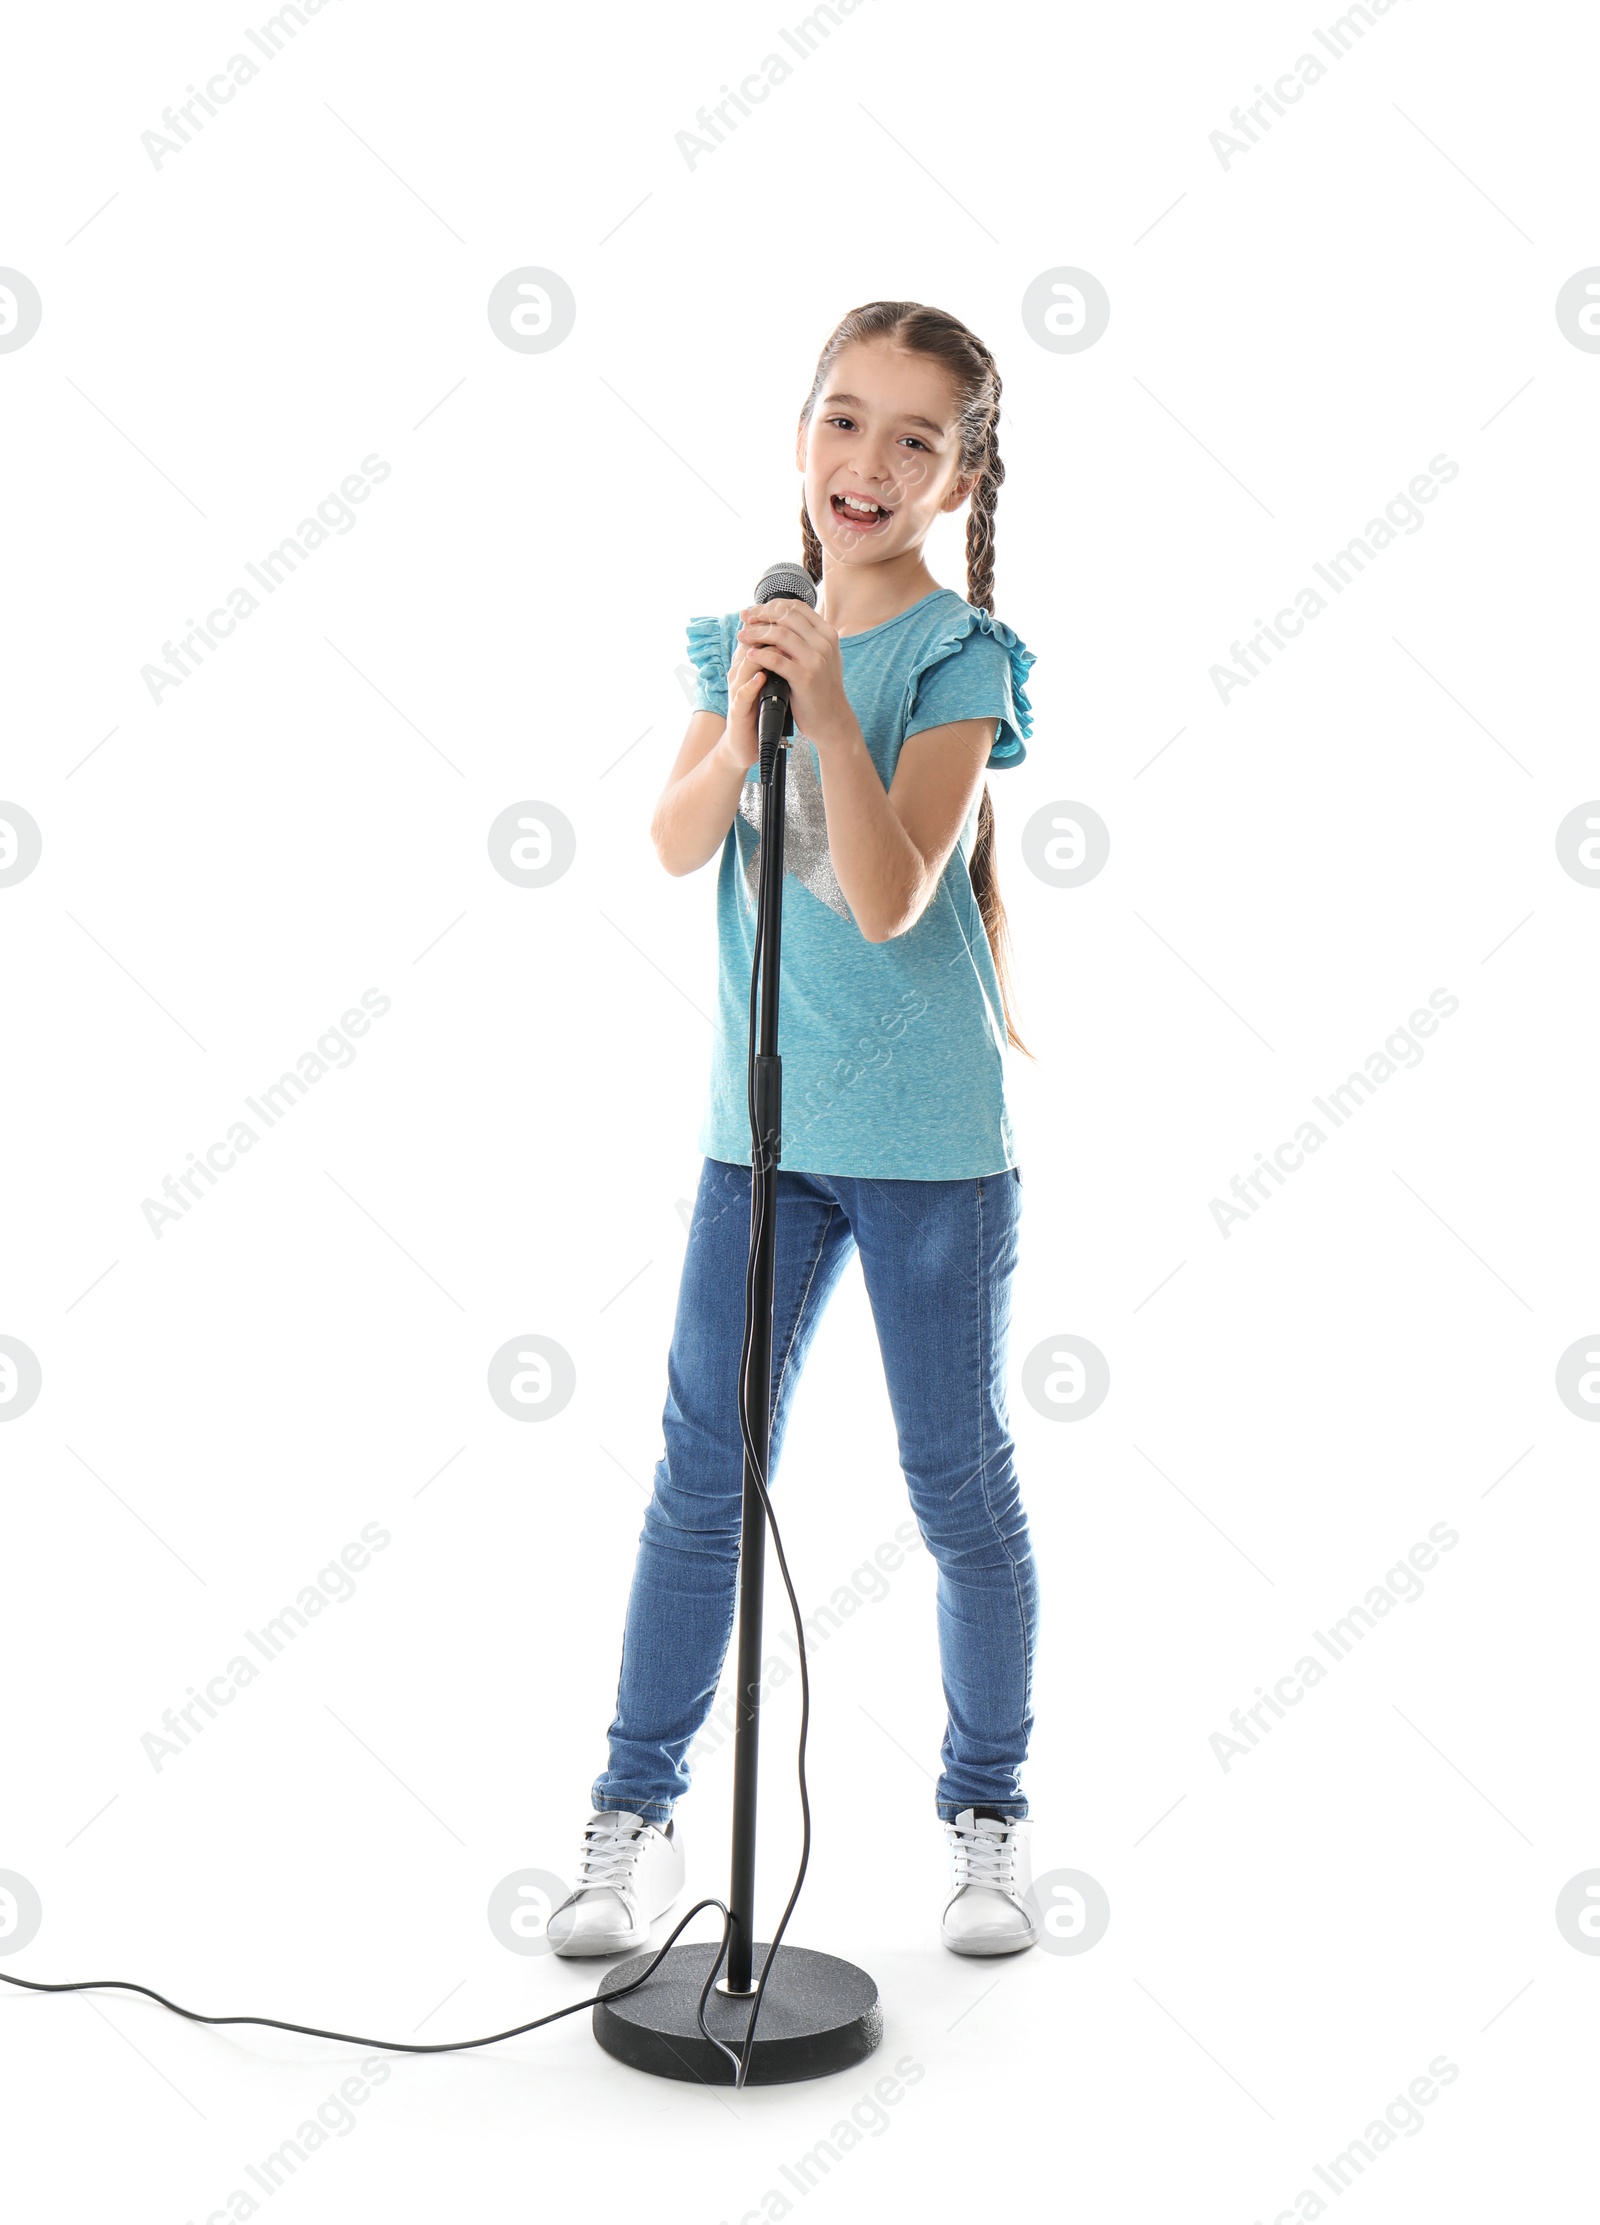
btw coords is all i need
(860, 512)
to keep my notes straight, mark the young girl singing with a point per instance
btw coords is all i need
(896, 1143)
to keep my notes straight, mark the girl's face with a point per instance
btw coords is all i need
(882, 431)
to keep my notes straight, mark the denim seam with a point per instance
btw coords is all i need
(800, 1309)
(984, 1358)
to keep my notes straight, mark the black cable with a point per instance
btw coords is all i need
(398, 2047)
(758, 1469)
(741, 2061)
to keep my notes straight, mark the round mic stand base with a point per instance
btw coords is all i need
(818, 2015)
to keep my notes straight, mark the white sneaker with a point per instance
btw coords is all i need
(629, 1874)
(989, 1912)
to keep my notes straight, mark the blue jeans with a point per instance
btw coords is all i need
(937, 1258)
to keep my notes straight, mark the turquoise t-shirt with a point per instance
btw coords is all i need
(893, 1052)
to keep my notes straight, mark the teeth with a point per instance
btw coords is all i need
(867, 509)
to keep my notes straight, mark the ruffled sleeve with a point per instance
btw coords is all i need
(976, 669)
(708, 648)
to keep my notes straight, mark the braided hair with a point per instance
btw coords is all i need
(934, 333)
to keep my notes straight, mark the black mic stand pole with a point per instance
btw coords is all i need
(775, 724)
(817, 2013)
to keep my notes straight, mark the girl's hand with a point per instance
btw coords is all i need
(788, 638)
(740, 743)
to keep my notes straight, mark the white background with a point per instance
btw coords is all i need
(1292, 338)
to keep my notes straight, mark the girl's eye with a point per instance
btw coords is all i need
(922, 444)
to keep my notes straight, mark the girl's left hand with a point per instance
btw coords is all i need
(788, 638)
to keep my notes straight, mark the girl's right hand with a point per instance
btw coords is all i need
(740, 743)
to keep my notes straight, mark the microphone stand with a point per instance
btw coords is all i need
(816, 2013)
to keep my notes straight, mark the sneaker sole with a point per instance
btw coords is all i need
(579, 1951)
(990, 1947)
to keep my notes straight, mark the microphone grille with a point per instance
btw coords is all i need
(791, 580)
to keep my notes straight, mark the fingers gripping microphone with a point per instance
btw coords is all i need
(774, 716)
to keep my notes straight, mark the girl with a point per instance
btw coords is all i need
(894, 1014)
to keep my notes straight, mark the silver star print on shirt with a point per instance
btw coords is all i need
(805, 830)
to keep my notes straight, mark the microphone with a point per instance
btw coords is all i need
(774, 717)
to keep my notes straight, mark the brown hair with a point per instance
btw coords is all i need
(932, 332)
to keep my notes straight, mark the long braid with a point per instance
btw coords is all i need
(980, 513)
(810, 546)
(981, 866)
